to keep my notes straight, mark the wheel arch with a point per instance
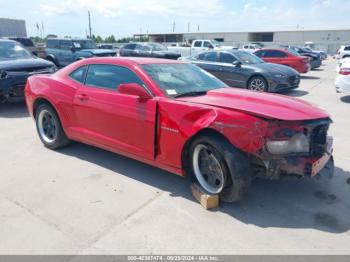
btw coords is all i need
(42, 100)
(186, 148)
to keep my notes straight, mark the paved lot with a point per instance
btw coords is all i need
(84, 200)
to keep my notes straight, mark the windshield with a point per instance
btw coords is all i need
(216, 43)
(177, 79)
(13, 50)
(247, 58)
(293, 52)
(157, 47)
(84, 44)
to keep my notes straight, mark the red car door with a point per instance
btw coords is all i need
(275, 56)
(113, 120)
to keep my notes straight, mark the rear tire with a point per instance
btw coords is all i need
(49, 127)
(219, 167)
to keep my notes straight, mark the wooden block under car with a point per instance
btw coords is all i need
(208, 201)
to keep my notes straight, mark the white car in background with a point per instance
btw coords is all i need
(343, 52)
(251, 47)
(342, 82)
(341, 62)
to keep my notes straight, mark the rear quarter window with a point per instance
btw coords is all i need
(79, 74)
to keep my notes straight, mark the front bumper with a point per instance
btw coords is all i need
(12, 87)
(284, 84)
(307, 166)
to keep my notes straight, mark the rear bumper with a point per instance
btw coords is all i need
(342, 84)
(303, 69)
(316, 64)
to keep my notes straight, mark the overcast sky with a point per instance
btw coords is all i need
(126, 17)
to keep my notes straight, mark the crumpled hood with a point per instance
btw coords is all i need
(25, 63)
(99, 51)
(264, 105)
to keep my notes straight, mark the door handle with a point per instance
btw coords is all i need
(83, 97)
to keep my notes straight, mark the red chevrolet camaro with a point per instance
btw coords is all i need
(177, 117)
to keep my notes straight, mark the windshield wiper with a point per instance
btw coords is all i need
(192, 93)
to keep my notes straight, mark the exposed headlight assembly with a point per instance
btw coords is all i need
(3, 74)
(299, 143)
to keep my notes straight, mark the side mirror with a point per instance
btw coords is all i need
(134, 89)
(236, 63)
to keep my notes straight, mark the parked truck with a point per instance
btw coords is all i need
(199, 46)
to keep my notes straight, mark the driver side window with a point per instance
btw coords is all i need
(209, 56)
(110, 76)
(227, 58)
(208, 45)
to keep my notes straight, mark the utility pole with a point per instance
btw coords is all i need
(174, 24)
(189, 27)
(90, 35)
(198, 27)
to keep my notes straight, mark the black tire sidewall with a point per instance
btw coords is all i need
(61, 139)
(234, 163)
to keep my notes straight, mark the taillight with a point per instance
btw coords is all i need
(305, 60)
(344, 71)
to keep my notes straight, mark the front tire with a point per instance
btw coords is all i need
(219, 167)
(258, 84)
(49, 127)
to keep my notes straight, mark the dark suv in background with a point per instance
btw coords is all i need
(16, 65)
(148, 50)
(28, 44)
(63, 52)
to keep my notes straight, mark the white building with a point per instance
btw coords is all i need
(325, 40)
(12, 28)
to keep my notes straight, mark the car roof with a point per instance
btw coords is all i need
(275, 49)
(70, 39)
(131, 60)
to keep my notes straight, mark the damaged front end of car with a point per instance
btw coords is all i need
(300, 148)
